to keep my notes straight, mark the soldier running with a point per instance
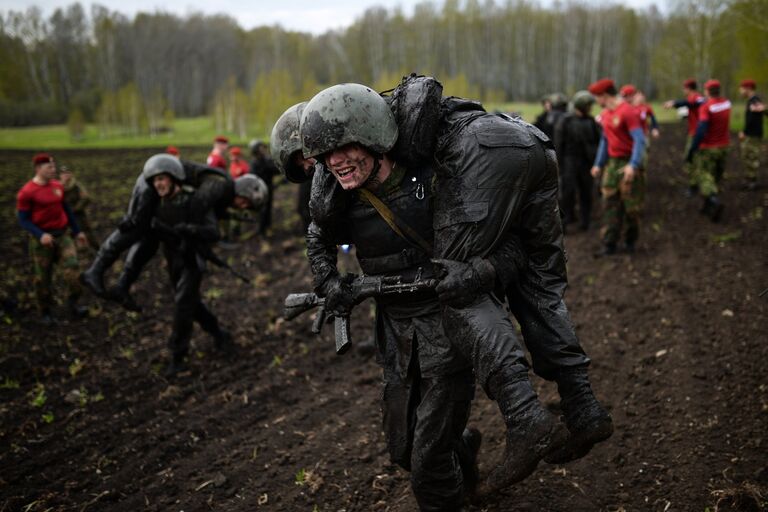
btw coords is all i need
(692, 101)
(42, 212)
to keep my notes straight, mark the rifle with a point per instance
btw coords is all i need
(363, 287)
(204, 250)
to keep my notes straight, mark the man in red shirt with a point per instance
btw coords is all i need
(216, 157)
(44, 214)
(620, 159)
(709, 148)
(238, 166)
(691, 101)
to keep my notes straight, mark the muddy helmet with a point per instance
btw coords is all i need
(163, 163)
(252, 188)
(582, 100)
(286, 143)
(344, 114)
(558, 100)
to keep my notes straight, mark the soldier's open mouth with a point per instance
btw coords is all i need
(343, 172)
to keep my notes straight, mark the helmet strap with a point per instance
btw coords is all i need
(374, 176)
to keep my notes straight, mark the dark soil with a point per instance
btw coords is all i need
(678, 335)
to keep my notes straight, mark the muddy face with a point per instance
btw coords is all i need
(351, 165)
(163, 184)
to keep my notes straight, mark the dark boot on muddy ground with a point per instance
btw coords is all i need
(76, 311)
(121, 293)
(175, 367)
(532, 431)
(223, 343)
(587, 420)
(471, 440)
(713, 208)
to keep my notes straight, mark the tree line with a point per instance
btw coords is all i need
(136, 74)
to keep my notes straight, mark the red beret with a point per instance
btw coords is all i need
(172, 150)
(711, 83)
(748, 83)
(222, 139)
(690, 83)
(235, 151)
(41, 158)
(628, 90)
(601, 86)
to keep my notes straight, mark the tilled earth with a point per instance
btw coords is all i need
(678, 334)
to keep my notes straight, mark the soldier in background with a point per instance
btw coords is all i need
(217, 156)
(42, 212)
(620, 160)
(576, 138)
(555, 105)
(709, 148)
(264, 167)
(751, 137)
(691, 101)
(78, 200)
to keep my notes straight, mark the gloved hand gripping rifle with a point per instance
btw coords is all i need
(363, 287)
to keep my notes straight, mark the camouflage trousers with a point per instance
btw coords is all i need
(44, 258)
(709, 167)
(622, 202)
(750, 156)
(85, 227)
(688, 166)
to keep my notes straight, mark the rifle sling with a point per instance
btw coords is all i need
(405, 231)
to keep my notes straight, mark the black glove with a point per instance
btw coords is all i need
(339, 297)
(462, 283)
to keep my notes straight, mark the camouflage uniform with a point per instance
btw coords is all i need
(622, 202)
(750, 156)
(43, 260)
(708, 168)
(78, 199)
(688, 167)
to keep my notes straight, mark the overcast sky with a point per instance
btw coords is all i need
(314, 16)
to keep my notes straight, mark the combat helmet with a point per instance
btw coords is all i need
(252, 188)
(285, 143)
(582, 100)
(347, 113)
(163, 163)
(558, 100)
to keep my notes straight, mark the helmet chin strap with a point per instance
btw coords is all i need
(377, 158)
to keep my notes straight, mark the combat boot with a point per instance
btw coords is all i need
(712, 208)
(470, 446)
(223, 342)
(587, 420)
(121, 293)
(606, 250)
(176, 366)
(532, 431)
(77, 312)
(93, 277)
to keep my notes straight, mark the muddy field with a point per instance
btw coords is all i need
(678, 335)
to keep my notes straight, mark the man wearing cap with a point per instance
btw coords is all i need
(691, 101)
(216, 156)
(577, 136)
(709, 148)
(42, 212)
(620, 159)
(751, 137)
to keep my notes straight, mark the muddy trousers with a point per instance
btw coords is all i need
(622, 203)
(424, 419)
(186, 276)
(750, 152)
(43, 261)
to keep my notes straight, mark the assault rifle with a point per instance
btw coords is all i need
(204, 250)
(363, 287)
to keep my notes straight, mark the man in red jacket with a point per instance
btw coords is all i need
(43, 213)
(692, 100)
(709, 148)
(216, 157)
(620, 159)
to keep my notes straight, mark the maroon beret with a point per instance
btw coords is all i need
(748, 83)
(172, 150)
(628, 90)
(690, 83)
(711, 83)
(601, 86)
(222, 139)
(235, 151)
(41, 158)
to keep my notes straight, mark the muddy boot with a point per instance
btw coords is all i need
(712, 208)
(587, 420)
(467, 452)
(121, 293)
(532, 431)
(176, 366)
(93, 278)
(606, 250)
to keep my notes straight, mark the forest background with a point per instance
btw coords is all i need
(105, 77)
